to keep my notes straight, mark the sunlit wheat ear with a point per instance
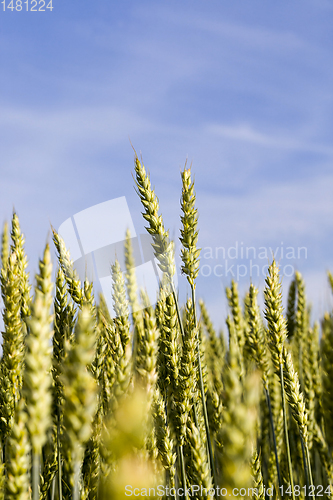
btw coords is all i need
(4, 246)
(91, 466)
(256, 336)
(38, 362)
(217, 352)
(294, 394)
(277, 334)
(189, 233)
(80, 396)
(104, 369)
(64, 313)
(259, 492)
(190, 257)
(130, 275)
(170, 346)
(236, 311)
(239, 428)
(164, 440)
(277, 328)
(197, 463)
(50, 466)
(163, 247)
(187, 391)
(17, 246)
(120, 304)
(214, 361)
(291, 379)
(234, 354)
(12, 344)
(324, 453)
(301, 327)
(256, 340)
(72, 278)
(147, 351)
(327, 377)
(309, 381)
(17, 485)
(124, 440)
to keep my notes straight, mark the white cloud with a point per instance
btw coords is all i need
(247, 133)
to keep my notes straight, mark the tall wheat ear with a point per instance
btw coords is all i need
(37, 380)
(17, 482)
(80, 394)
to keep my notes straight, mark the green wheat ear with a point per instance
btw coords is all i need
(37, 375)
(163, 247)
(120, 302)
(277, 327)
(4, 246)
(131, 283)
(189, 234)
(164, 442)
(38, 363)
(79, 385)
(18, 247)
(66, 264)
(18, 458)
(12, 344)
(80, 395)
(258, 484)
(147, 351)
(256, 336)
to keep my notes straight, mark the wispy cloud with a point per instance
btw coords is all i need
(247, 133)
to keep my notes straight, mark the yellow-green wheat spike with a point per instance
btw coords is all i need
(80, 396)
(163, 247)
(327, 377)
(189, 233)
(130, 276)
(197, 464)
(147, 351)
(257, 343)
(64, 313)
(120, 304)
(190, 257)
(72, 279)
(18, 247)
(12, 344)
(216, 348)
(277, 334)
(17, 485)
(238, 321)
(38, 362)
(239, 424)
(256, 336)
(301, 327)
(164, 442)
(259, 492)
(187, 390)
(4, 247)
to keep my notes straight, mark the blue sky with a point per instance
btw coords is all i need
(243, 90)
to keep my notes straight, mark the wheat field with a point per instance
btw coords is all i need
(154, 402)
